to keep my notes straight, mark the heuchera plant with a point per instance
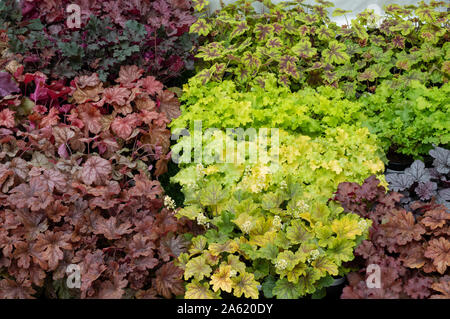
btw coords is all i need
(303, 47)
(420, 183)
(309, 111)
(268, 225)
(411, 246)
(409, 119)
(77, 178)
(151, 33)
(267, 221)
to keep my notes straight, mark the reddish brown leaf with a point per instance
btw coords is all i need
(169, 104)
(168, 280)
(96, 171)
(50, 246)
(9, 289)
(439, 251)
(110, 229)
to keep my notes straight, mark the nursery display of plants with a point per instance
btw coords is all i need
(160, 149)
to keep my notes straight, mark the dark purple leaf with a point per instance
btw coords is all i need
(426, 190)
(7, 84)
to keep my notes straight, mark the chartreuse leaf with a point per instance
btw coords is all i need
(198, 245)
(228, 247)
(325, 265)
(221, 279)
(347, 227)
(306, 282)
(245, 284)
(235, 263)
(198, 268)
(285, 289)
(341, 250)
(198, 290)
(298, 233)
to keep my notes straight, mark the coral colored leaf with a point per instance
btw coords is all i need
(10, 289)
(402, 227)
(50, 246)
(7, 118)
(87, 80)
(90, 116)
(88, 94)
(128, 75)
(112, 289)
(151, 85)
(116, 95)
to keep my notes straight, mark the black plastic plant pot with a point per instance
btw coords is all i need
(398, 161)
(335, 290)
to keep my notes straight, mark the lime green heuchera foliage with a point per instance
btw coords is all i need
(268, 223)
(417, 117)
(307, 111)
(300, 43)
(270, 229)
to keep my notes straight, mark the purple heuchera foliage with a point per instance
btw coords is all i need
(7, 84)
(419, 182)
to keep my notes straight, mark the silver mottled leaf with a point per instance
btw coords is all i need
(399, 182)
(418, 171)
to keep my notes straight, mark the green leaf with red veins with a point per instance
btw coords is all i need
(286, 61)
(359, 30)
(304, 49)
(325, 34)
(405, 27)
(201, 27)
(240, 28)
(335, 53)
(251, 60)
(310, 19)
(367, 75)
(210, 52)
(263, 31)
(277, 28)
(274, 43)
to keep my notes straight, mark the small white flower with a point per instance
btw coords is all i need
(363, 224)
(247, 226)
(283, 185)
(281, 264)
(202, 219)
(302, 205)
(277, 221)
(169, 202)
(313, 255)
